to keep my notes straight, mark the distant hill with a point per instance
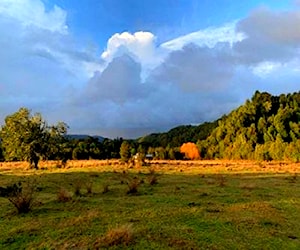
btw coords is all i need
(83, 137)
(179, 135)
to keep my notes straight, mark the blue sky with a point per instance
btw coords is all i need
(130, 67)
(99, 20)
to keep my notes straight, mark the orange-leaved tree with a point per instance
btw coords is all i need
(190, 151)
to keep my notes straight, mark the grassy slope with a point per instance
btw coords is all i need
(209, 205)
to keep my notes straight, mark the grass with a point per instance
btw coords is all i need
(194, 205)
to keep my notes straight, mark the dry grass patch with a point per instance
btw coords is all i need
(105, 187)
(63, 195)
(121, 235)
(248, 186)
(133, 185)
(256, 210)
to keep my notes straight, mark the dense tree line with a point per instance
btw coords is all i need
(264, 128)
(179, 135)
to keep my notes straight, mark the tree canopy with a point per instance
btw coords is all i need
(28, 137)
(264, 128)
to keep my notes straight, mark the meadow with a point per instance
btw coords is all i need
(164, 205)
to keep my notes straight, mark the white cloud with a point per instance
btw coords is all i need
(263, 69)
(202, 75)
(137, 85)
(140, 45)
(33, 13)
(41, 65)
(206, 38)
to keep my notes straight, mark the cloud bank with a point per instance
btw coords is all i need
(135, 85)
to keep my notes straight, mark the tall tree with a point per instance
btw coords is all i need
(125, 151)
(28, 137)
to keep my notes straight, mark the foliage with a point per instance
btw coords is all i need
(179, 135)
(265, 128)
(20, 194)
(190, 151)
(28, 137)
(125, 151)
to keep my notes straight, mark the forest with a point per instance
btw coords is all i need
(264, 128)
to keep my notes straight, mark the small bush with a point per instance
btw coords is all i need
(152, 171)
(105, 188)
(133, 186)
(89, 187)
(122, 235)
(222, 181)
(153, 179)
(21, 195)
(63, 195)
(77, 188)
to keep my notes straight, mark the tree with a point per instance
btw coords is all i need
(125, 151)
(28, 137)
(190, 150)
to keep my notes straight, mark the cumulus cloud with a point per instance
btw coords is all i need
(33, 13)
(180, 90)
(41, 65)
(195, 68)
(119, 82)
(139, 45)
(202, 75)
(137, 86)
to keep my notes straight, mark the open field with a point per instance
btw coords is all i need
(171, 205)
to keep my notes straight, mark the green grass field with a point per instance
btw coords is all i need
(211, 205)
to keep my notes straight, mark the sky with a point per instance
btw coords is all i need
(126, 68)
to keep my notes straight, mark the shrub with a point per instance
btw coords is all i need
(89, 187)
(20, 194)
(133, 185)
(222, 180)
(63, 195)
(153, 179)
(122, 235)
(77, 188)
(105, 188)
(153, 176)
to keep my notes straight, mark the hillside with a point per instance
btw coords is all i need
(84, 137)
(179, 135)
(264, 128)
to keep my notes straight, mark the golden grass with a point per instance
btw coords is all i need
(121, 235)
(159, 166)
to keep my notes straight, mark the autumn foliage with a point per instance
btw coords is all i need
(190, 151)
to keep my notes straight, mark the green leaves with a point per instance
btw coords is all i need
(28, 137)
(263, 129)
(125, 151)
